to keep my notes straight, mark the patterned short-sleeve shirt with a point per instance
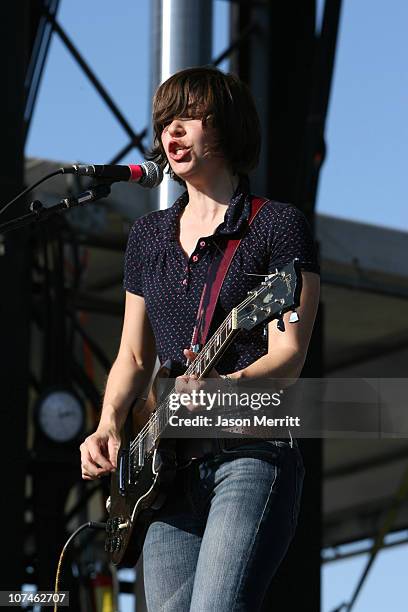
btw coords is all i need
(171, 283)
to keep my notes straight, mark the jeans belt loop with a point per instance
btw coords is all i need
(291, 439)
(218, 446)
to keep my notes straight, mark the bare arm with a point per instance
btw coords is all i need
(133, 367)
(129, 376)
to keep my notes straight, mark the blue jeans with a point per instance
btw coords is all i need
(223, 531)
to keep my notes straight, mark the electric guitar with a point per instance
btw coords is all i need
(147, 462)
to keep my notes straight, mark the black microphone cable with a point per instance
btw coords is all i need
(20, 195)
(89, 524)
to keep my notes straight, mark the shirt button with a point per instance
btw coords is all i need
(195, 258)
(184, 281)
(202, 243)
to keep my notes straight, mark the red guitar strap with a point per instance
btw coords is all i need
(212, 285)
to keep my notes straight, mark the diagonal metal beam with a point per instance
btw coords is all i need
(243, 35)
(136, 138)
(40, 46)
(339, 556)
(121, 154)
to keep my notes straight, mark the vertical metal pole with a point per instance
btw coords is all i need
(277, 63)
(15, 296)
(181, 38)
(252, 64)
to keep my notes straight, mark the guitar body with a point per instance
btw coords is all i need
(135, 496)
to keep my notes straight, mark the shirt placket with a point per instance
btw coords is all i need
(190, 266)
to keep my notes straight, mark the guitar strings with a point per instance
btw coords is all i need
(146, 429)
(190, 370)
(144, 432)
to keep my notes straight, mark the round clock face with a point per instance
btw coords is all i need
(60, 416)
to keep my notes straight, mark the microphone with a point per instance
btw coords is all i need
(148, 174)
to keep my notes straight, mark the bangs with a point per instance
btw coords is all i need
(193, 100)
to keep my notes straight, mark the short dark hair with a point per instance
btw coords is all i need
(218, 99)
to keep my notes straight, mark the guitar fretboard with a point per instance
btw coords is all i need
(145, 441)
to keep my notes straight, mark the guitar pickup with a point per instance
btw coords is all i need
(124, 471)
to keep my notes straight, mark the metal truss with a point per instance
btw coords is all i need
(312, 151)
(41, 38)
(50, 24)
(337, 554)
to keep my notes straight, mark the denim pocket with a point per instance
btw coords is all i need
(258, 450)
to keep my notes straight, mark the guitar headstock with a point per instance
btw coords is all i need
(279, 293)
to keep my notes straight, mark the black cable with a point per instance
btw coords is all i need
(89, 524)
(20, 195)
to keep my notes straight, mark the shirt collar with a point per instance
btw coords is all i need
(236, 216)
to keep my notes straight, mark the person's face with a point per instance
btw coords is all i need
(190, 148)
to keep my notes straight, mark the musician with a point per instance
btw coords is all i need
(227, 523)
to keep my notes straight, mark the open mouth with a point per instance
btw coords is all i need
(178, 152)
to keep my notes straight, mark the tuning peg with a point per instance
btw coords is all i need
(281, 323)
(294, 317)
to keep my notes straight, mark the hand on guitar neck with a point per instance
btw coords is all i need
(188, 383)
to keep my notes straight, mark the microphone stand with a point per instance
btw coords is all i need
(38, 212)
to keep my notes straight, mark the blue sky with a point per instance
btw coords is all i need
(363, 177)
(367, 132)
(384, 589)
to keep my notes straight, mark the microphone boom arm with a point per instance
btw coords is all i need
(38, 212)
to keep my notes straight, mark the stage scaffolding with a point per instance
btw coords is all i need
(288, 65)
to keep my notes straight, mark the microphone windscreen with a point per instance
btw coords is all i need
(153, 175)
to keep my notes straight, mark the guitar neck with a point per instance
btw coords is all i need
(212, 351)
(208, 357)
